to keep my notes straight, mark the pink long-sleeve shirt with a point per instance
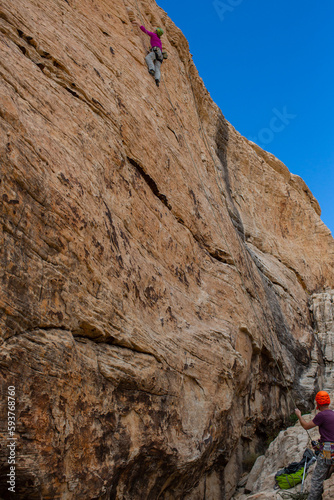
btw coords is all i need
(155, 40)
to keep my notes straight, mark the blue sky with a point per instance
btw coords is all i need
(268, 64)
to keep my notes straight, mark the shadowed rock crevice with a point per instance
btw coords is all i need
(276, 325)
(276, 319)
(222, 137)
(150, 182)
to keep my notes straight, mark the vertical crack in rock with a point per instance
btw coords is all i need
(222, 145)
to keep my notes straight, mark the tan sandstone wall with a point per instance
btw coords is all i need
(156, 267)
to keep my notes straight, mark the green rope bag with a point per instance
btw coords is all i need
(286, 479)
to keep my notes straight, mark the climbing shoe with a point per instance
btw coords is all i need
(151, 71)
(157, 83)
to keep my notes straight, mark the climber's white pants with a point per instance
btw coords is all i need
(154, 64)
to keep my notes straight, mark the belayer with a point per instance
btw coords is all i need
(155, 57)
(325, 420)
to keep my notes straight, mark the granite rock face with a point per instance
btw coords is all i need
(156, 267)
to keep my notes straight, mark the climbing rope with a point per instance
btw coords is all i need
(220, 188)
(301, 495)
(129, 12)
(250, 274)
(141, 18)
(285, 495)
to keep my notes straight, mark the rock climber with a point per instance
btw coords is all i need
(154, 58)
(325, 421)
